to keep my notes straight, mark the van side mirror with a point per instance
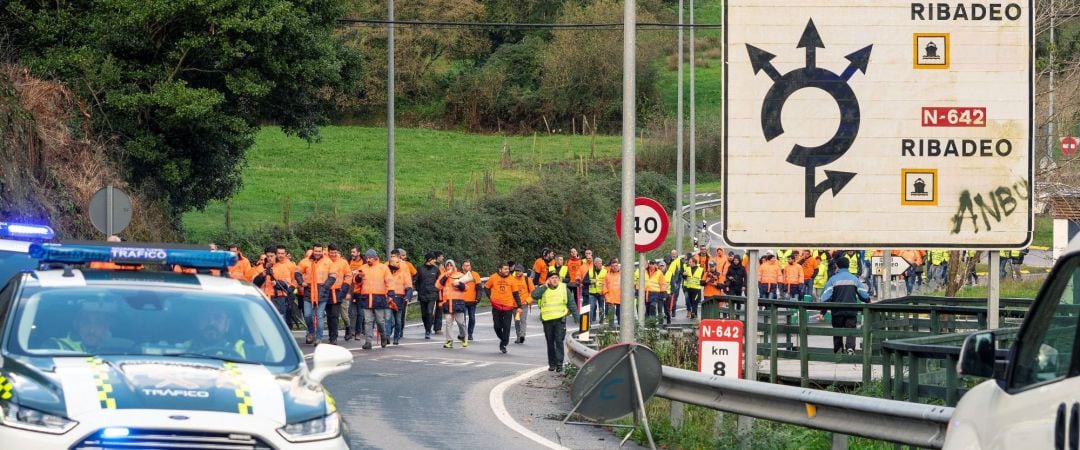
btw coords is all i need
(977, 355)
(328, 360)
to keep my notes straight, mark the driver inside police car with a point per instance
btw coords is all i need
(91, 330)
(212, 329)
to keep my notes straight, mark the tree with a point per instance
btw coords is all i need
(181, 85)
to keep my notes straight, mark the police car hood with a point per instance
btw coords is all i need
(90, 385)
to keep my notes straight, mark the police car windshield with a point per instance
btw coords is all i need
(12, 262)
(113, 320)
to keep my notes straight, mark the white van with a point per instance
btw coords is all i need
(1035, 403)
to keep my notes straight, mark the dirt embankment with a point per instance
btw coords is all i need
(51, 163)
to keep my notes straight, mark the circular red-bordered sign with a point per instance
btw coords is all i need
(650, 224)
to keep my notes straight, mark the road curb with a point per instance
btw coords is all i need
(495, 399)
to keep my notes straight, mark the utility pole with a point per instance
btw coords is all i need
(677, 211)
(1050, 108)
(389, 127)
(629, 123)
(693, 131)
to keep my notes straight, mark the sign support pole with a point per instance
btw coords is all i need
(886, 275)
(642, 298)
(109, 230)
(993, 300)
(746, 423)
(629, 164)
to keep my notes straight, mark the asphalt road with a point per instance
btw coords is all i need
(420, 395)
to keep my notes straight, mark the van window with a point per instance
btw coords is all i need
(1045, 350)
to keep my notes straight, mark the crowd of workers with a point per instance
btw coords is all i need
(327, 292)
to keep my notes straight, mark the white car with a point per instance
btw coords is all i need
(117, 358)
(1035, 403)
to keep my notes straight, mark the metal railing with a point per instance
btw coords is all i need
(875, 418)
(929, 364)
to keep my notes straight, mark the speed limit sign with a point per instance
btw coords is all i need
(650, 224)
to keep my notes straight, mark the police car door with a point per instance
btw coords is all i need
(1041, 405)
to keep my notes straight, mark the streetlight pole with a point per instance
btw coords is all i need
(693, 131)
(677, 211)
(629, 111)
(389, 126)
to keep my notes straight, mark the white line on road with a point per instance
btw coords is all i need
(497, 406)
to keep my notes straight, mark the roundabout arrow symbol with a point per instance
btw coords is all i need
(813, 77)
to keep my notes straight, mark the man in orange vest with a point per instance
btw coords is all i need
(376, 280)
(793, 279)
(505, 295)
(540, 266)
(317, 279)
(401, 288)
(472, 296)
(239, 270)
(769, 275)
(573, 273)
(338, 292)
(524, 286)
(612, 290)
(274, 277)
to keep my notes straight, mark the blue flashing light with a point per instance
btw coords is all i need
(115, 432)
(26, 231)
(82, 254)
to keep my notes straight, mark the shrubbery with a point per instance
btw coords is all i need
(560, 211)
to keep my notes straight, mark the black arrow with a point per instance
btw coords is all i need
(860, 59)
(834, 181)
(762, 60)
(811, 41)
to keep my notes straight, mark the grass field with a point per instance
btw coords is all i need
(346, 171)
(1044, 231)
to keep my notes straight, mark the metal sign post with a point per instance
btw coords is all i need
(629, 123)
(650, 224)
(746, 423)
(993, 298)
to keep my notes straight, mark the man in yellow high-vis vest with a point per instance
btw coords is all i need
(556, 303)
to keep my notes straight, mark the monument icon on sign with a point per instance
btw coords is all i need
(836, 85)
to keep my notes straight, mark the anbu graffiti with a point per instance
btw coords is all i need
(996, 205)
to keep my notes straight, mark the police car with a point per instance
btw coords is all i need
(1033, 400)
(153, 359)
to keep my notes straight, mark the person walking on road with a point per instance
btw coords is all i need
(692, 276)
(540, 266)
(376, 280)
(339, 292)
(505, 298)
(428, 295)
(556, 304)
(593, 285)
(453, 302)
(472, 296)
(844, 287)
(655, 290)
(612, 291)
(400, 290)
(524, 286)
(317, 278)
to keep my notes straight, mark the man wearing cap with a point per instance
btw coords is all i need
(376, 281)
(593, 282)
(524, 286)
(555, 302)
(693, 277)
(428, 295)
(655, 289)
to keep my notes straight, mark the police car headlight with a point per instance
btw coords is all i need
(326, 427)
(16, 416)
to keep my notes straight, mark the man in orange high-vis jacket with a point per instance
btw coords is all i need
(524, 287)
(505, 297)
(375, 279)
(612, 291)
(317, 278)
(239, 270)
(712, 286)
(402, 287)
(573, 275)
(769, 275)
(275, 276)
(453, 302)
(809, 264)
(472, 296)
(793, 279)
(353, 318)
(540, 266)
(338, 292)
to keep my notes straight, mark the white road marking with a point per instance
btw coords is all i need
(497, 406)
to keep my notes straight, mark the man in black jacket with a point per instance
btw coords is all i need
(424, 282)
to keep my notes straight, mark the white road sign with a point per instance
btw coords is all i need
(899, 265)
(878, 124)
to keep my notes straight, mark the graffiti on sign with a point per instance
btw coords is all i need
(991, 208)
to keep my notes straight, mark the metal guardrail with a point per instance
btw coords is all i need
(875, 418)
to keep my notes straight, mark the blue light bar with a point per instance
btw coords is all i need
(26, 231)
(82, 254)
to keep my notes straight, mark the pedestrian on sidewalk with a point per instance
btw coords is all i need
(556, 304)
(524, 287)
(453, 302)
(844, 287)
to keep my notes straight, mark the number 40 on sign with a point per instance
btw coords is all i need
(720, 348)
